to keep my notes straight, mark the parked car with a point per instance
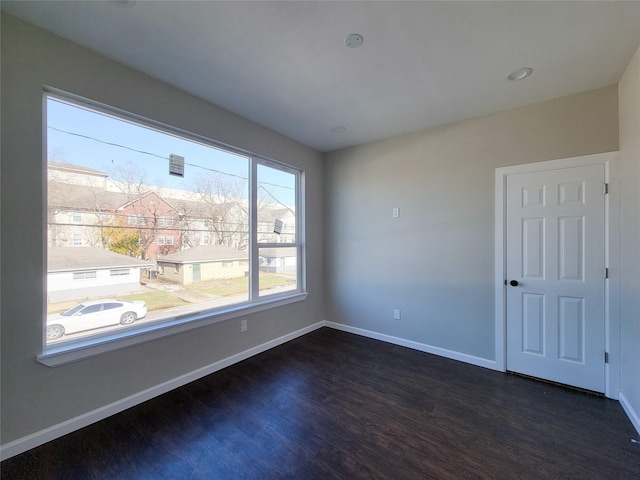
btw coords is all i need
(95, 314)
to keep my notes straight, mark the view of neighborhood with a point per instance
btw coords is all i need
(114, 237)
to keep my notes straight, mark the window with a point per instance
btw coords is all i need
(119, 272)
(77, 239)
(245, 206)
(111, 306)
(77, 217)
(91, 309)
(84, 275)
(165, 221)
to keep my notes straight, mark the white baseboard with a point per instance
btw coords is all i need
(43, 436)
(442, 352)
(631, 413)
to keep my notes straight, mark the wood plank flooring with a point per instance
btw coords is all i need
(332, 405)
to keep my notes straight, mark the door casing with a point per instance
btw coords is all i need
(612, 308)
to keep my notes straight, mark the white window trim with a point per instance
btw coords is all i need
(62, 353)
(90, 346)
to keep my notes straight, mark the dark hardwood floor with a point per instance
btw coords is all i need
(332, 405)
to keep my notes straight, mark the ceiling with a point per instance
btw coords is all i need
(285, 65)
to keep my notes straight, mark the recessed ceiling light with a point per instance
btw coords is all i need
(339, 129)
(519, 74)
(354, 40)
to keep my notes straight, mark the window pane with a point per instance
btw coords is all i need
(276, 205)
(278, 268)
(182, 240)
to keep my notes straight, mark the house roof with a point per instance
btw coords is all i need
(269, 215)
(83, 197)
(205, 253)
(69, 167)
(278, 252)
(65, 259)
(197, 209)
(144, 196)
(71, 196)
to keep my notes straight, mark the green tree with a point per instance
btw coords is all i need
(125, 241)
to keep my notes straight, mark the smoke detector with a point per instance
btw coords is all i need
(354, 40)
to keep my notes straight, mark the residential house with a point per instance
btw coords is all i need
(155, 221)
(278, 260)
(202, 263)
(89, 272)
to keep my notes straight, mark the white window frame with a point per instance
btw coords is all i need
(78, 237)
(160, 240)
(119, 272)
(85, 275)
(168, 239)
(65, 352)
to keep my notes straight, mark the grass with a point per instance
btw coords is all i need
(234, 286)
(162, 299)
(157, 299)
(222, 288)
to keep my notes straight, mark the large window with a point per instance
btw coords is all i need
(210, 229)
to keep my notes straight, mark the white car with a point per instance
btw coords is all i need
(96, 314)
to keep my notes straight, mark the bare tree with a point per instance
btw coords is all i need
(224, 209)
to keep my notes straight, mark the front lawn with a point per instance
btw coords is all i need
(234, 286)
(156, 299)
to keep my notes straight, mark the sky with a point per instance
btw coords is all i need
(88, 138)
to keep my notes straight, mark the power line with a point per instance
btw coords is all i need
(268, 225)
(160, 156)
(277, 201)
(106, 143)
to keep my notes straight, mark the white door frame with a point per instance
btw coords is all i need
(612, 249)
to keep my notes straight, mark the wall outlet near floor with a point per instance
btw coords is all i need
(243, 326)
(396, 314)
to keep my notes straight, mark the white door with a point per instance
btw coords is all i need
(555, 236)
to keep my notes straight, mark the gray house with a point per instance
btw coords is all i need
(205, 262)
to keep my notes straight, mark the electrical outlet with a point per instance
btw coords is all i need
(243, 326)
(396, 314)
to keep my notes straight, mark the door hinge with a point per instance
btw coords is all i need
(606, 272)
(606, 188)
(606, 357)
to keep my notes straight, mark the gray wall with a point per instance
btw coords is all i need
(629, 184)
(34, 396)
(436, 261)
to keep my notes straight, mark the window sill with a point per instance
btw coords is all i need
(72, 352)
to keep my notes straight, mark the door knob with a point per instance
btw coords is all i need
(513, 283)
